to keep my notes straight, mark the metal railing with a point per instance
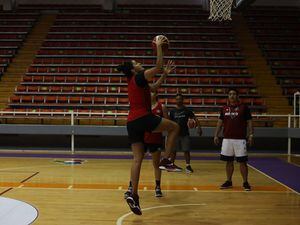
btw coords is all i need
(73, 116)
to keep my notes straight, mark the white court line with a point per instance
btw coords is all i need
(145, 188)
(120, 219)
(70, 187)
(274, 179)
(120, 188)
(195, 189)
(204, 191)
(26, 167)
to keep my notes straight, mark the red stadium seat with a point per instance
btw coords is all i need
(87, 100)
(38, 99)
(62, 99)
(99, 100)
(21, 89)
(209, 101)
(123, 101)
(196, 101)
(90, 89)
(50, 99)
(15, 99)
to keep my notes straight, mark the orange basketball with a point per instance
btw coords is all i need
(164, 46)
(191, 123)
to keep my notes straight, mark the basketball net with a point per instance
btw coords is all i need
(220, 10)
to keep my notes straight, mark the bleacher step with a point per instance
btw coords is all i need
(24, 58)
(266, 83)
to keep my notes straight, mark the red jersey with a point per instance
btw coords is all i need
(235, 121)
(155, 138)
(139, 99)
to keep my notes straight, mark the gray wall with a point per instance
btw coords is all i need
(115, 138)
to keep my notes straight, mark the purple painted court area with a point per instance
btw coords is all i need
(286, 173)
(88, 156)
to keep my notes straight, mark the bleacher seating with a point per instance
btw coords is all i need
(277, 33)
(76, 65)
(14, 27)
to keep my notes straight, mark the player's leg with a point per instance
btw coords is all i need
(227, 155)
(157, 172)
(136, 132)
(240, 149)
(176, 148)
(138, 155)
(186, 146)
(172, 129)
(229, 170)
(161, 125)
(130, 186)
(133, 199)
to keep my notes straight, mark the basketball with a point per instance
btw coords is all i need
(164, 46)
(191, 123)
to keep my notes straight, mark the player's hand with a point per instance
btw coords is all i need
(216, 140)
(161, 40)
(170, 67)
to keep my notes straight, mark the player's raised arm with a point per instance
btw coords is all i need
(159, 41)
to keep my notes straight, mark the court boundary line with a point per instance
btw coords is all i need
(199, 191)
(21, 182)
(121, 218)
(291, 189)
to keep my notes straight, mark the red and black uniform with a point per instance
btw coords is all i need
(140, 118)
(235, 119)
(154, 141)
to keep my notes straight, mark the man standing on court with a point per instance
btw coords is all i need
(235, 119)
(181, 114)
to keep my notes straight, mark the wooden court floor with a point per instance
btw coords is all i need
(92, 194)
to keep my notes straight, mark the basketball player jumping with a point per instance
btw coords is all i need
(154, 143)
(140, 118)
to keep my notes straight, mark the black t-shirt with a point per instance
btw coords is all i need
(181, 117)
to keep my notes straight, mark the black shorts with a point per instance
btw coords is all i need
(153, 147)
(136, 129)
(231, 158)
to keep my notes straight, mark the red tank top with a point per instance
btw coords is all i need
(155, 138)
(139, 100)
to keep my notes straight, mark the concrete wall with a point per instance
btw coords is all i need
(115, 138)
(120, 143)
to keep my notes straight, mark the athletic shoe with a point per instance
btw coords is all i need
(128, 192)
(189, 169)
(158, 192)
(164, 163)
(226, 185)
(134, 204)
(173, 168)
(167, 165)
(246, 186)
